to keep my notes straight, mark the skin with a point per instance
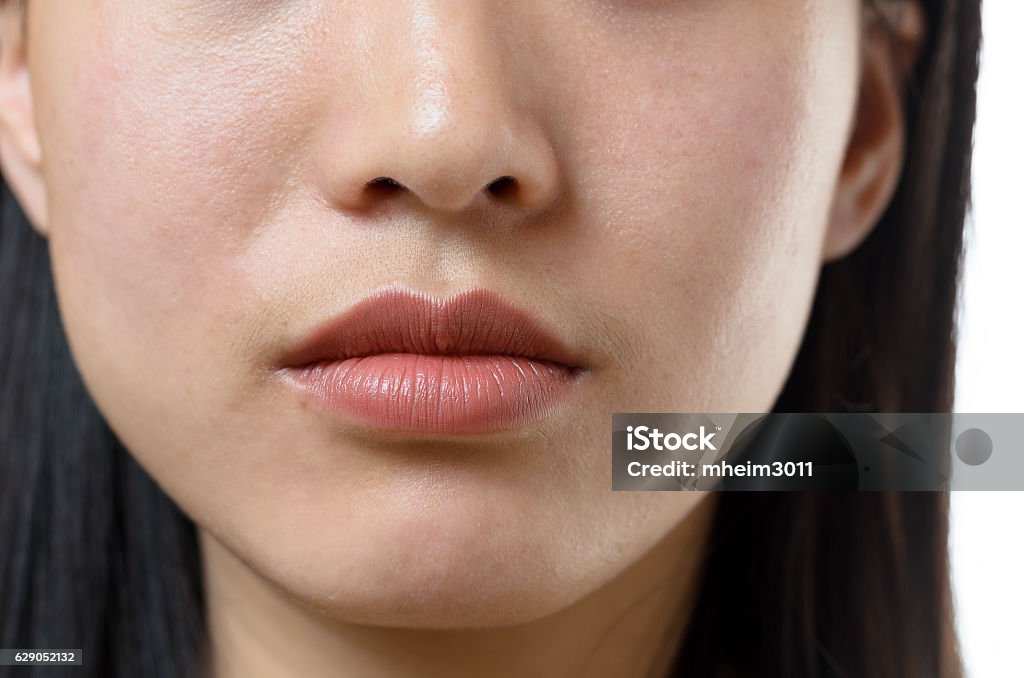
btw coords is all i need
(684, 169)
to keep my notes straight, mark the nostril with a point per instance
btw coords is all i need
(502, 186)
(384, 185)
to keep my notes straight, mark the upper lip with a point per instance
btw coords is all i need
(396, 320)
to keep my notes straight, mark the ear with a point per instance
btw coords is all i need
(20, 151)
(874, 156)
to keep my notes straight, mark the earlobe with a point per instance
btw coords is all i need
(874, 156)
(20, 151)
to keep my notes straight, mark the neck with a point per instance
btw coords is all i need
(630, 626)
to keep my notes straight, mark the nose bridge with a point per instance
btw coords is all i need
(452, 104)
(443, 124)
(446, 62)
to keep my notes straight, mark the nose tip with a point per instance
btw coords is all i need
(446, 184)
(437, 126)
(474, 162)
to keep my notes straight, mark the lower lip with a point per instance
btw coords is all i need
(438, 393)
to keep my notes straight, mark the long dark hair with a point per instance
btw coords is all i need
(95, 555)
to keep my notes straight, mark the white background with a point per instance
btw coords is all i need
(987, 541)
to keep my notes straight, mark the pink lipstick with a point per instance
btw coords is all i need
(469, 363)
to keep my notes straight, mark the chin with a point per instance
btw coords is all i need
(454, 569)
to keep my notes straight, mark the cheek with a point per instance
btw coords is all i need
(185, 153)
(171, 156)
(168, 158)
(708, 182)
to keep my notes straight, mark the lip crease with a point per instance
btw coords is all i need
(406, 361)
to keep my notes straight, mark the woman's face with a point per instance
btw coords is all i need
(206, 166)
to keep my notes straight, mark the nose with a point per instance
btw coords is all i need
(435, 120)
